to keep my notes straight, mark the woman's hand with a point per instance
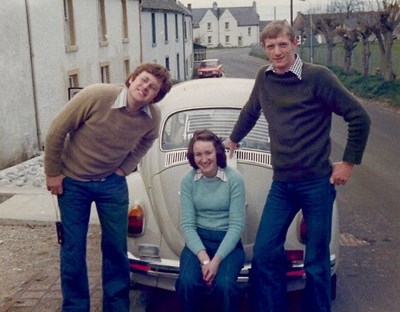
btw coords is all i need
(210, 270)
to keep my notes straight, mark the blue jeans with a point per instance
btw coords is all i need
(111, 198)
(225, 292)
(270, 263)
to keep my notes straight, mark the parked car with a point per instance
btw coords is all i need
(210, 68)
(154, 238)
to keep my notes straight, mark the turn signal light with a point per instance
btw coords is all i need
(136, 220)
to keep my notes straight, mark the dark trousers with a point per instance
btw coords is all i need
(224, 293)
(111, 198)
(269, 266)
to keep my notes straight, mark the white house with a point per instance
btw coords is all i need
(226, 27)
(167, 36)
(50, 46)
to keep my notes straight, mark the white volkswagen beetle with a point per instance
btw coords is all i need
(154, 237)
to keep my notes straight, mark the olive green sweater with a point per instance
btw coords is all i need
(88, 140)
(299, 115)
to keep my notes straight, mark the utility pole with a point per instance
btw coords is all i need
(291, 12)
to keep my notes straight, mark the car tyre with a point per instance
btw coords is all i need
(333, 286)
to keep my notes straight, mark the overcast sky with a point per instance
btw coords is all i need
(267, 9)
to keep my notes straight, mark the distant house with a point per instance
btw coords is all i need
(166, 36)
(226, 27)
(200, 52)
(262, 25)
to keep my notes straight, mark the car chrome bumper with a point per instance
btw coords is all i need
(163, 273)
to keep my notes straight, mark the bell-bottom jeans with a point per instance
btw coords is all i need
(224, 293)
(111, 198)
(268, 274)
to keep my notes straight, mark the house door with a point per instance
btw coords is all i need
(240, 41)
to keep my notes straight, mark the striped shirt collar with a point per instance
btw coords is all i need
(220, 175)
(122, 101)
(296, 68)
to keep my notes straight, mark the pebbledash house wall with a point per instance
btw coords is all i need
(35, 64)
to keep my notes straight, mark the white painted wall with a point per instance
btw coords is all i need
(189, 58)
(203, 32)
(162, 49)
(234, 32)
(218, 31)
(18, 139)
(51, 64)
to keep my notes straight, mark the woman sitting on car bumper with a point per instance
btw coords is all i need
(212, 199)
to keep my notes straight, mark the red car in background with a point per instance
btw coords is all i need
(210, 68)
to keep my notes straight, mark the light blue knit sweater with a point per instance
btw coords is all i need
(213, 204)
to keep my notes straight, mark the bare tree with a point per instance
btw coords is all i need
(388, 18)
(350, 39)
(346, 6)
(365, 24)
(345, 10)
(326, 24)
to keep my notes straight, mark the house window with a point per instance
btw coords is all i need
(125, 33)
(167, 63)
(199, 55)
(153, 29)
(209, 40)
(176, 27)
(166, 27)
(178, 68)
(105, 72)
(226, 25)
(184, 29)
(102, 23)
(69, 24)
(73, 79)
(127, 67)
(249, 31)
(209, 26)
(227, 40)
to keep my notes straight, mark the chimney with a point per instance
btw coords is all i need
(189, 6)
(215, 6)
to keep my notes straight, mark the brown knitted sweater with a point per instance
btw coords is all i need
(88, 140)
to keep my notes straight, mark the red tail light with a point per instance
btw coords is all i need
(303, 230)
(296, 267)
(136, 220)
(295, 255)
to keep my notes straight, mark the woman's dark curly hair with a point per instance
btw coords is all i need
(159, 72)
(209, 136)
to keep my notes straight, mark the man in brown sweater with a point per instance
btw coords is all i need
(96, 140)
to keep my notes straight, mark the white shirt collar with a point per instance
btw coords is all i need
(122, 101)
(220, 175)
(296, 68)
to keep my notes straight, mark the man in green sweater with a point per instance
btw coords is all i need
(97, 139)
(298, 100)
